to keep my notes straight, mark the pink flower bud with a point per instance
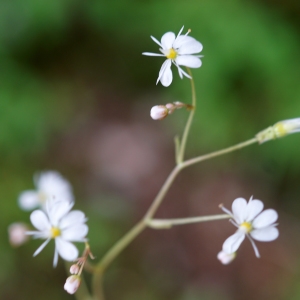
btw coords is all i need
(226, 258)
(158, 112)
(74, 269)
(72, 284)
(17, 234)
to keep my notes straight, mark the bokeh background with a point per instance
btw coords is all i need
(75, 96)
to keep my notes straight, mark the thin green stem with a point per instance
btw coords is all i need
(168, 223)
(198, 159)
(188, 123)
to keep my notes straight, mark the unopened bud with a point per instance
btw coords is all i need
(17, 234)
(158, 112)
(74, 269)
(279, 130)
(72, 284)
(226, 258)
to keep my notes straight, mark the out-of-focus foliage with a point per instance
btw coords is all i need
(70, 68)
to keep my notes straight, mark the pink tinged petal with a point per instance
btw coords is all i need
(165, 74)
(254, 207)
(75, 233)
(28, 200)
(167, 40)
(239, 207)
(188, 61)
(152, 54)
(66, 249)
(266, 218)
(40, 221)
(266, 234)
(233, 242)
(39, 249)
(156, 41)
(56, 210)
(73, 217)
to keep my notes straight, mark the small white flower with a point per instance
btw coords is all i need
(49, 185)
(17, 234)
(62, 225)
(178, 51)
(72, 284)
(226, 258)
(251, 222)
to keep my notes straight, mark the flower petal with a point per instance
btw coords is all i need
(188, 61)
(254, 207)
(40, 248)
(66, 249)
(187, 45)
(28, 200)
(167, 40)
(57, 209)
(239, 207)
(55, 258)
(156, 41)
(233, 242)
(152, 54)
(266, 234)
(75, 233)
(165, 75)
(40, 221)
(73, 217)
(266, 218)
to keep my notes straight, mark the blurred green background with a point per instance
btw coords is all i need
(75, 96)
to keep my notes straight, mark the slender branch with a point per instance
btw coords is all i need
(198, 159)
(188, 123)
(168, 223)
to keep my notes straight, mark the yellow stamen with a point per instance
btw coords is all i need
(246, 226)
(55, 232)
(172, 54)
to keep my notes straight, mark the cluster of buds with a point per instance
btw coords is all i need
(73, 282)
(279, 130)
(159, 112)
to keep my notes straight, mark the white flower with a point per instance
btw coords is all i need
(251, 222)
(17, 234)
(226, 258)
(72, 284)
(62, 225)
(49, 185)
(178, 51)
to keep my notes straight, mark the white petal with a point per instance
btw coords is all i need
(55, 258)
(40, 221)
(56, 210)
(188, 61)
(254, 207)
(165, 74)
(73, 217)
(167, 40)
(76, 233)
(152, 54)
(239, 207)
(233, 242)
(187, 45)
(39, 249)
(266, 218)
(66, 249)
(266, 234)
(254, 246)
(28, 200)
(156, 41)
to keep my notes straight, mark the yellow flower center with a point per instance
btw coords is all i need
(55, 232)
(42, 197)
(280, 129)
(246, 226)
(172, 54)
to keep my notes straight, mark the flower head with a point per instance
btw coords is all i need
(49, 185)
(178, 51)
(251, 222)
(62, 225)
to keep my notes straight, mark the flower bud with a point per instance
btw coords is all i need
(226, 258)
(72, 284)
(158, 112)
(17, 234)
(74, 269)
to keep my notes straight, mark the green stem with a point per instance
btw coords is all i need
(198, 159)
(168, 223)
(188, 123)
